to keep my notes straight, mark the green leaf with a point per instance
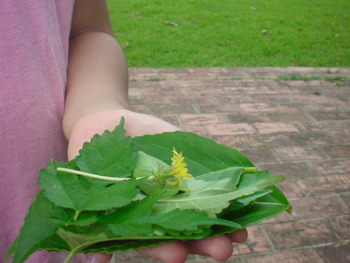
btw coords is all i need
(201, 154)
(233, 173)
(131, 220)
(213, 197)
(190, 220)
(146, 166)
(39, 229)
(261, 209)
(110, 154)
(80, 193)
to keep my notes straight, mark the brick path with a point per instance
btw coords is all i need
(299, 128)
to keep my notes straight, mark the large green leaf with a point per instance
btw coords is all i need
(80, 193)
(261, 209)
(201, 154)
(39, 229)
(214, 196)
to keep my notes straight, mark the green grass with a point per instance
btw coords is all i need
(230, 33)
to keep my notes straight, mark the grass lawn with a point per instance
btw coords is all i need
(231, 33)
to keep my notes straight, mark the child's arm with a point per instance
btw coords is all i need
(97, 98)
(97, 69)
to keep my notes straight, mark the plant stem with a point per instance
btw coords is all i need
(95, 176)
(77, 213)
(249, 170)
(70, 256)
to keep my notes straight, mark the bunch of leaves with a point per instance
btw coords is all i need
(78, 214)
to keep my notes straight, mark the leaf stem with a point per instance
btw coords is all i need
(249, 170)
(95, 176)
(69, 257)
(77, 213)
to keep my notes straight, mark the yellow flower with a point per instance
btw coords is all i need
(178, 168)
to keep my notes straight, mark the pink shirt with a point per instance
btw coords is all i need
(33, 63)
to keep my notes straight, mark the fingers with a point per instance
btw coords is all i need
(239, 236)
(169, 253)
(219, 248)
(102, 258)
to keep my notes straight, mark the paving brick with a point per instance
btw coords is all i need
(337, 151)
(291, 171)
(290, 189)
(257, 107)
(346, 198)
(215, 108)
(289, 116)
(230, 129)
(341, 225)
(319, 126)
(195, 99)
(273, 98)
(282, 88)
(338, 253)
(156, 91)
(300, 233)
(260, 155)
(325, 185)
(246, 90)
(275, 127)
(247, 117)
(194, 119)
(198, 129)
(204, 90)
(234, 99)
(295, 256)
(263, 140)
(332, 167)
(319, 207)
(267, 107)
(324, 115)
(293, 154)
(257, 241)
(283, 217)
(317, 138)
(324, 106)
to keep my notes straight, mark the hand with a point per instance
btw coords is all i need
(137, 124)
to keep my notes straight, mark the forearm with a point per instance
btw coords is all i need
(97, 77)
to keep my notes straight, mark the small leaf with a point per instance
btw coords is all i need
(110, 154)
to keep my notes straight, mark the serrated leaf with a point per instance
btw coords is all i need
(109, 154)
(131, 220)
(80, 193)
(39, 229)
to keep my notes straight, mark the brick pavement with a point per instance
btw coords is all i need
(299, 128)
